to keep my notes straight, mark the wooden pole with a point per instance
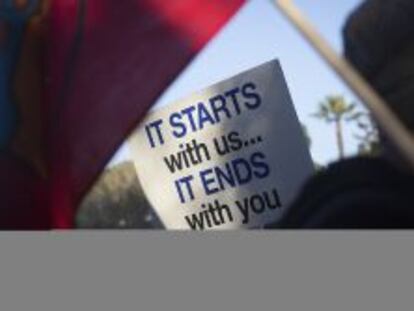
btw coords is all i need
(387, 120)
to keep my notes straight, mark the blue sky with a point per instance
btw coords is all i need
(259, 33)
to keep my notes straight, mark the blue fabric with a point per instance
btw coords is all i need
(15, 21)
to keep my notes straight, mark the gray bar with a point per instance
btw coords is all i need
(238, 270)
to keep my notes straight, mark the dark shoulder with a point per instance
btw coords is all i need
(354, 193)
(376, 32)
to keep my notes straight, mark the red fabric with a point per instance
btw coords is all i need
(23, 197)
(107, 63)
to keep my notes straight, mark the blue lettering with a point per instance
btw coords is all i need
(262, 168)
(204, 116)
(189, 112)
(248, 92)
(242, 171)
(207, 181)
(175, 121)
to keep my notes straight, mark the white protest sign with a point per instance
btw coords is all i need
(230, 156)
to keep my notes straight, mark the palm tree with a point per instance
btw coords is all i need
(335, 109)
(367, 135)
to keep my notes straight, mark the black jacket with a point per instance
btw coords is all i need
(355, 193)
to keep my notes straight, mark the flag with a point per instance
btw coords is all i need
(104, 63)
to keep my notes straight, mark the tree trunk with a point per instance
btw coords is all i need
(339, 138)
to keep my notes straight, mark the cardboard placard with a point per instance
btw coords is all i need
(230, 156)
